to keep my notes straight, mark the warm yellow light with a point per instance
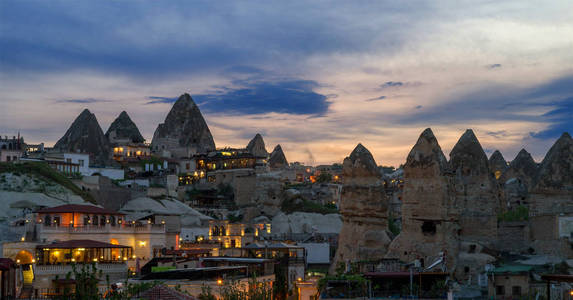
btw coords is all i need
(299, 279)
(95, 259)
(125, 258)
(119, 257)
(23, 239)
(18, 261)
(73, 259)
(219, 281)
(81, 249)
(142, 243)
(162, 221)
(101, 257)
(71, 222)
(149, 221)
(133, 256)
(56, 253)
(33, 261)
(226, 153)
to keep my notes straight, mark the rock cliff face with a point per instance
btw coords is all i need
(556, 169)
(551, 200)
(364, 210)
(257, 147)
(477, 191)
(123, 129)
(278, 159)
(85, 135)
(553, 188)
(430, 218)
(497, 164)
(522, 168)
(184, 131)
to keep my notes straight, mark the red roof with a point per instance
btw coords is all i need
(71, 244)
(78, 208)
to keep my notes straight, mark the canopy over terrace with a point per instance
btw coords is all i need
(82, 251)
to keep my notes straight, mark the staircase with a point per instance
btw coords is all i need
(28, 274)
(28, 278)
(27, 291)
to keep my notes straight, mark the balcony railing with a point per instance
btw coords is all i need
(65, 269)
(107, 228)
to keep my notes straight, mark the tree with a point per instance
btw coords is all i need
(324, 178)
(87, 279)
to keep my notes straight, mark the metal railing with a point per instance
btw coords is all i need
(120, 228)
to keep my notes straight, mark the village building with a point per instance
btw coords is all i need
(11, 149)
(145, 238)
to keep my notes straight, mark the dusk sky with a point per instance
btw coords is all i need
(317, 77)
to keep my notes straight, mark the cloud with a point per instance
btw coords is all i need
(82, 101)
(395, 85)
(497, 134)
(288, 96)
(494, 66)
(242, 69)
(156, 100)
(377, 98)
(545, 103)
(561, 118)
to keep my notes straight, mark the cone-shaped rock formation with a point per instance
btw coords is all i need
(497, 164)
(85, 135)
(556, 169)
(257, 146)
(523, 168)
(184, 131)
(364, 210)
(123, 129)
(430, 219)
(278, 159)
(477, 191)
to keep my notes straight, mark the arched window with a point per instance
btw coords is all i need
(223, 230)
(96, 220)
(47, 220)
(102, 220)
(112, 220)
(215, 230)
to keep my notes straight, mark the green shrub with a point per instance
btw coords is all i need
(520, 213)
